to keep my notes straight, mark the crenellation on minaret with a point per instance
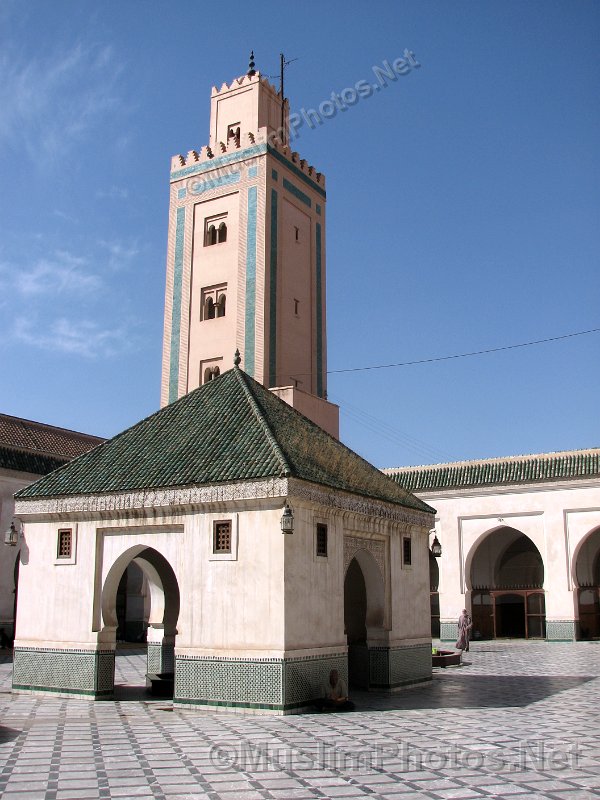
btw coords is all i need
(206, 155)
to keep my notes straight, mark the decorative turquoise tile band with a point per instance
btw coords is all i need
(319, 287)
(250, 328)
(273, 293)
(176, 310)
(304, 198)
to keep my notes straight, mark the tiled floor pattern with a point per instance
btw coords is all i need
(518, 720)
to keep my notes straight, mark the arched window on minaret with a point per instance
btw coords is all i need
(212, 301)
(222, 232)
(211, 235)
(233, 132)
(210, 373)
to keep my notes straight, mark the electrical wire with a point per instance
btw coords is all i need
(464, 355)
(425, 452)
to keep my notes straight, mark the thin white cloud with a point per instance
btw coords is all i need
(120, 255)
(63, 274)
(50, 102)
(67, 304)
(83, 338)
(64, 216)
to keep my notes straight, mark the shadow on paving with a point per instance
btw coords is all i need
(450, 688)
(470, 691)
(447, 691)
(8, 734)
(126, 693)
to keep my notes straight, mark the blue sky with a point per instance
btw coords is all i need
(463, 208)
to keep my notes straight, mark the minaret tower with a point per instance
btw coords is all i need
(246, 256)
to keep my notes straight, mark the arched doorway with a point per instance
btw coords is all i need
(133, 605)
(363, 611)
(163, 603)
(434, 597)
(587, 574)
(506, 581)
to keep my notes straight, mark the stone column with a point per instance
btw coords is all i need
(560, 601)
(161, 650)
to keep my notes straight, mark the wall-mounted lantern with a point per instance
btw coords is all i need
(11, 537)
(436, 547)
(287, 520)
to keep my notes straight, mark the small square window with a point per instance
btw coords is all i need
(407, 551)
(65, 543)
(222, 536)
(322, 540)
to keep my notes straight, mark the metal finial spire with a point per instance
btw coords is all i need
(251, 65)
(238, 359)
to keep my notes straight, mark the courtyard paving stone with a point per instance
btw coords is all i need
(517, 720)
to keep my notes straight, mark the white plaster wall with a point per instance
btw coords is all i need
(556, 516)
(411, 614)
(314, 586)
(232, 605)
(55, 597)
(271, 596)
(236, 605)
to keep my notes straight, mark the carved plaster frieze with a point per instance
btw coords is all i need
(352, 544)
(155, 498)
(222, 493)
(367, 506)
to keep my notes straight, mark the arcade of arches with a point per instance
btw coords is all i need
(506, 582)
(520, 539)
(506, 592)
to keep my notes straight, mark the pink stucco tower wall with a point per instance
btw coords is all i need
(246, 257)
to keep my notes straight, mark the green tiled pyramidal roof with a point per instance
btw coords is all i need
(230, 429)
(495, 471)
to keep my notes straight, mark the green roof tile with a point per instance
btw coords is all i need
(519, 469)
(230, 429)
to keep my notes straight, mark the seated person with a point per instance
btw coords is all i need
(335, 695)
